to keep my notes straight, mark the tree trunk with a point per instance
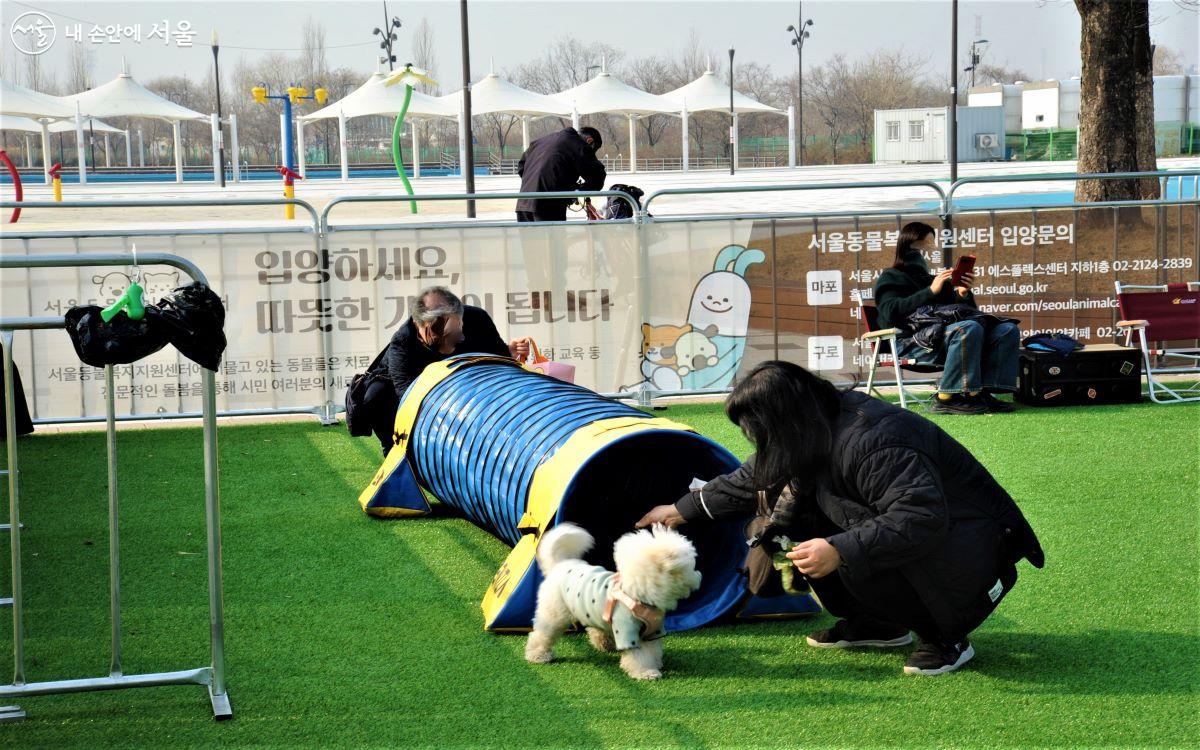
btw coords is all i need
(1116, 107)
(1143, 61)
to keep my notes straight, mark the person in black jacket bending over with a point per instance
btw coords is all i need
(978, 362)
(899, 527)
(440, 327)
(557, 163)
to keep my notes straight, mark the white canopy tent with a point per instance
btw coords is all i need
(496, 95)
(30, 125)
(374, 98)
(19, 101)
(125, 97)
(9, 122)
(709, 94)
(605, 94)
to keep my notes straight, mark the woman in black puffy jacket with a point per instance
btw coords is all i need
(899, 527)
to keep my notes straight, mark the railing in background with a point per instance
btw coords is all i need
(787, 313)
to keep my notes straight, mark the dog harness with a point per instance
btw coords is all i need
(594, 597)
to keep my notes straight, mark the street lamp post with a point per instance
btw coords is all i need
(975, 58)
(469, 156)
(798, 37)
(216, 49)
(732, 115)
(953, 113)
(388, 35)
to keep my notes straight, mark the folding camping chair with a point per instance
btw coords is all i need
(1163, 313)
(882, 344)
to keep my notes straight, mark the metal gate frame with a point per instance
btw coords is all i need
(212, 676)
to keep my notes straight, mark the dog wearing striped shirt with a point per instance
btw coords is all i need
(622, 611)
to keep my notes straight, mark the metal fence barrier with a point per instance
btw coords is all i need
(213, 675)
(644, 223)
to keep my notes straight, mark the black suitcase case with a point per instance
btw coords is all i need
(1098, 374)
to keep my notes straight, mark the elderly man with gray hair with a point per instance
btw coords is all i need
(440, 326)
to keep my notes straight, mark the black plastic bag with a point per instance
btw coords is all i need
(192, 318)
(117, 342)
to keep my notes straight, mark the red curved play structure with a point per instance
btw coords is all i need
(12, 169)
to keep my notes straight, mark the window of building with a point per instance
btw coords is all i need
(916, 130)
(893, 130)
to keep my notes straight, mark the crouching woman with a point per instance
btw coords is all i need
(899, 527)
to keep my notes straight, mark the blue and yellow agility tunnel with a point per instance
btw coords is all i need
(517, 452)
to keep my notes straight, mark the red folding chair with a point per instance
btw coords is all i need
(1163, 313)
(882, 345)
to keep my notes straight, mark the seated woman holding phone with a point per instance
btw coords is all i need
(979, 362)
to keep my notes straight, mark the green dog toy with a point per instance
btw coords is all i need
(787, 569)
(130, 302)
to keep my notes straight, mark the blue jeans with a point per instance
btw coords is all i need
(974, 359)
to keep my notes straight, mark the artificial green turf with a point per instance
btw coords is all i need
(347, 631)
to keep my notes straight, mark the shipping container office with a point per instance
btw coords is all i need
(923, 134)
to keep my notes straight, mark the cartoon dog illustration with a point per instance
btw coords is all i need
(694, 351)
(111, 285)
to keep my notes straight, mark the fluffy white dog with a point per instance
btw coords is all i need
(622, 611)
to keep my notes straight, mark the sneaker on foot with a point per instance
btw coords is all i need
(957, 404)
(862, 634)
(931, 658)
(995, 405)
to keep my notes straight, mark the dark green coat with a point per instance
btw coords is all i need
(900, 291)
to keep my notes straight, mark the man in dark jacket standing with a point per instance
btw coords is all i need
(556, 163)
(899, 527)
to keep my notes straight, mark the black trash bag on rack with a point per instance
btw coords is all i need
(118, 342)
(192, 318)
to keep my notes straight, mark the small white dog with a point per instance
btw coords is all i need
(622, 611)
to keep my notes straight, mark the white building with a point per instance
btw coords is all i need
(1006, 95)
(923, 135)
(1176, 99)
(1050, 105)
(1054, 105)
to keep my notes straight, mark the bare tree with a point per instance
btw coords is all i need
(994, 73)
(81, 65)
(1167, 62)
(1116, 130)
(35, 77)
(652, 74)
(424, 53)
(314, 64)
(827, 92)
(565, 65)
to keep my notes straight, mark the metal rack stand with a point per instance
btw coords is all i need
(213, 676)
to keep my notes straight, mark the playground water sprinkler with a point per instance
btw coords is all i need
(408, 76)
(17, 189)
(289, 190)
(56, 177)
(16, 178)
(293, 95)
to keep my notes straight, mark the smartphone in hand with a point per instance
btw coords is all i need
(964, 266)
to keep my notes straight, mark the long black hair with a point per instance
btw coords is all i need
(788, 413)
(910, 234)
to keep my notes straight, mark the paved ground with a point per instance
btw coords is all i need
(320, 192)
